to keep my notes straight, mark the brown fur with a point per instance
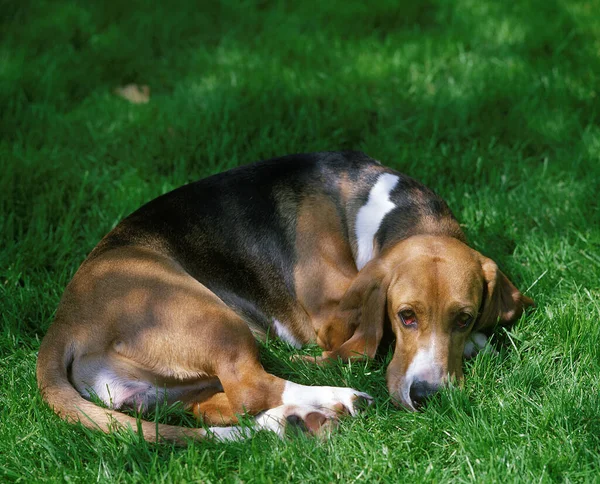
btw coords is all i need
(436, 277)
(326, 267)
(148, 331)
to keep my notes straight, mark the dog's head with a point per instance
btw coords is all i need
(436, 292)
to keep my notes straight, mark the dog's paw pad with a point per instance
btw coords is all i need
(317, 423)
(310, 421)
(304, 419)
(313, 422)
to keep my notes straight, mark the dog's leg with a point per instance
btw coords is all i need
(477, 343)
(251, 389)
(217, 410)
(295, 401)
(313, 410)
(303, 418)
(356, 348)
(214, 410)
(169, 336)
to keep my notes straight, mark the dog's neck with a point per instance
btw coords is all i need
(395, 207)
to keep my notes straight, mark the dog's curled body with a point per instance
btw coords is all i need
(308, 247)
(238, 232)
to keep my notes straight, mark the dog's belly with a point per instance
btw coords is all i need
(118, 385)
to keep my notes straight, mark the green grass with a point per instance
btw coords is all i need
(493, 104)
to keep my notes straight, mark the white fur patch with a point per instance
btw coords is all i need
(371, 214)
(422, 367)
(273, 420)
(479, 339)
(477, 343)
(114, 390)
(469, 350)
(285, 334)
(323, 397)
(117, 391)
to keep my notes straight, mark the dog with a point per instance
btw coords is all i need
(324, 247)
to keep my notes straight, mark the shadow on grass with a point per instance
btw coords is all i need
(469, 97)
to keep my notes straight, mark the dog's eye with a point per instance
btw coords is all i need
(408, 317)
(464, 320)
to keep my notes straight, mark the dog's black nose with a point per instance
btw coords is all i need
(421, 391)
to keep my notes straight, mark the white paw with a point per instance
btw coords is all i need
(304, 418)
(469, 351)
(311, 420)
(476, 343)
(479, 339)
(352, 400)
(340, 400)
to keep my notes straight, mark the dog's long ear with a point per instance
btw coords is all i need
(503, 303)
(357, 327)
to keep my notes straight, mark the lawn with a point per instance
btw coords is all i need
(493, 104)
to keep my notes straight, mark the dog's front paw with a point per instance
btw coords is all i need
(299, 418)
(349, 400)
(476, 343)
(340, 400)
(306, 419)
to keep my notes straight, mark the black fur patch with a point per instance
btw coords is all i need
(235, 231)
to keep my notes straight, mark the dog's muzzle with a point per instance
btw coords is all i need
(421, 392)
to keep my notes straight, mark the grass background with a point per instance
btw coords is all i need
(493, 104)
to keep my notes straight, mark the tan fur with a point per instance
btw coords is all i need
(136, 313)
(161, 326)
(326, 268)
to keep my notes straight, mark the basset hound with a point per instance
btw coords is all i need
(323, 247)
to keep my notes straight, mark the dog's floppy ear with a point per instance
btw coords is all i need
(502, 303)
(357, 327)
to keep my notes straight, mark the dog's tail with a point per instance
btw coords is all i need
(54, 359)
